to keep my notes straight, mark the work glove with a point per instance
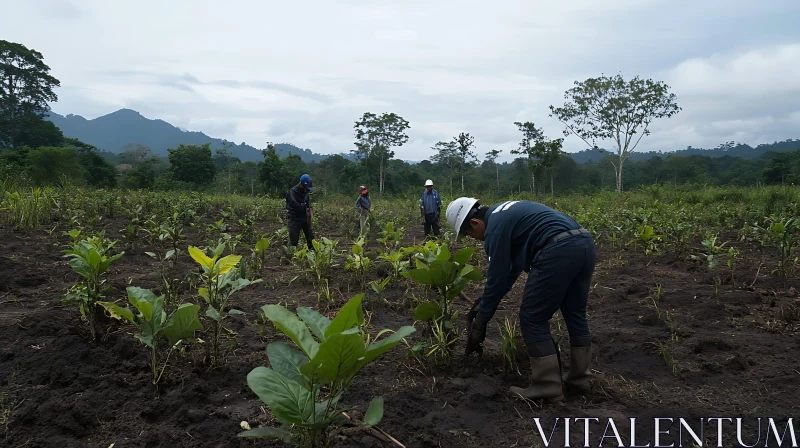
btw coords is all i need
(476, 332)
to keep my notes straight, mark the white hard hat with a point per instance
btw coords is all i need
(457, 211)
(428, 183)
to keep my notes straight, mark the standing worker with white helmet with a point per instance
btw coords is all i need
(559, 256)
(430, 206)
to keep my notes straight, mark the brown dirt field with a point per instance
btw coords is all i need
(736, 356)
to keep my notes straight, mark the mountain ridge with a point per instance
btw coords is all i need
(114, 131)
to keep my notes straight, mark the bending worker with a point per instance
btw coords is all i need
(559, 256)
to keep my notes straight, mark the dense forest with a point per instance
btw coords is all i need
(35, 151)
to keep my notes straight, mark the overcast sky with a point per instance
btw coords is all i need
(303, 73)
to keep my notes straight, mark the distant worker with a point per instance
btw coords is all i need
(363, 205)
(430, 206)
(300, 213)
(559, 256)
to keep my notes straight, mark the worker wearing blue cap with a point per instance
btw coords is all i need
(300, 213)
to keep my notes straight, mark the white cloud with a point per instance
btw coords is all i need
(305, 72)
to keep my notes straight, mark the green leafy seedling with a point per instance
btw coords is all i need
(303, 387)
(152, 322)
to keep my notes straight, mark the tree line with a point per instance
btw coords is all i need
(34, 150)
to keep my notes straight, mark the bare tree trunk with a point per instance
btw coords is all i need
(381, 176)
(462, 181)
(619, 176)
(552, 189)
(533, 182)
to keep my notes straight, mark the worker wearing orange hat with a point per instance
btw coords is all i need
(364, 207)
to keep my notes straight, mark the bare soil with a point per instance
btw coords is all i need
(735, 356)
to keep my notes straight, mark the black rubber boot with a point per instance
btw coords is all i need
(579, 377)
(545, 380)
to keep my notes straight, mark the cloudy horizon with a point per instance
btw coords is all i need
(254, 72)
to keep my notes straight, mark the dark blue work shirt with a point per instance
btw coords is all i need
(431, 203)
(515, 232)
(298, 203)
(363, 202)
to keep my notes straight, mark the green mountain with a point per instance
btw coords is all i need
(115, 131)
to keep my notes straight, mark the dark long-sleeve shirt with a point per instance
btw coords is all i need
(515, 232)
(431, 203)
(363, 202)
(298, 203)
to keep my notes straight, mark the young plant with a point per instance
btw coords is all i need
(170, 286)
(508, 335)
(733, 255)
(152, 322)
(358, 261)
(173, 234)
(320, 260)
(712, 251)
(391, 238)
(220, 281)
(397, 259)
(647, 238)
(378, 286)
(303, 388)
(781, 232)
(90, 258)
(257, 255)
(449, 278)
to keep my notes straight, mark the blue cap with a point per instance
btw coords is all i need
(306, 180)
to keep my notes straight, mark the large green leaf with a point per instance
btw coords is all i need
(471, 273)
(159, 316)
(93, 260)
(292, 327)
(267, 433)
(374, 412)
(337, 357)
(463, 255)
(226, 263)
(427, 311)
(262, 245)
(201, 258)
(290, 402)
(380, 347)
(449, 272)
(286, 360)
(444, 254)
(183, 323)
(143, 300)
(420, 275)
(213, 313)
(79, 265)
(349, 316)
(118, 312)
(316, 321)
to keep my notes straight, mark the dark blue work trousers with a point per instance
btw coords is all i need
(559, 279)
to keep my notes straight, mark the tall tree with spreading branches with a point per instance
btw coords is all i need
(376, 135)
(611, 108)
(467, 158)
(26, 86)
